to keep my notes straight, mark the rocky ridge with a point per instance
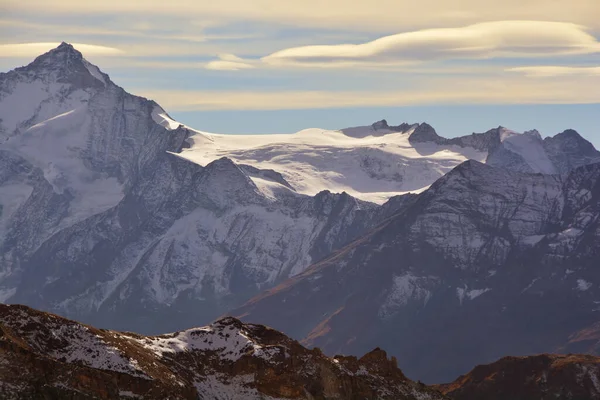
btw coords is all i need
(543, 377)
(484, 256)
(228, 360)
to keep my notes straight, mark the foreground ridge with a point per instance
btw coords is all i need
(543, 376)
(60, 358)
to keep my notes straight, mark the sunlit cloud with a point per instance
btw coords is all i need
(229, 62)
(484, 40)
(365, 15)
(35, 49)
(432, 91)
(548, 71)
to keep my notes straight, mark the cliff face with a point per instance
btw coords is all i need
(46, 356)
(540, 377)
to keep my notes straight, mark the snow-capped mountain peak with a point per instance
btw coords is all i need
(65, 64)
(55, 83)
(64, 54)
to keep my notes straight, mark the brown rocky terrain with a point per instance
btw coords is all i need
(44, 356)
(537, 377)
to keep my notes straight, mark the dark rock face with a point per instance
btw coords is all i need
(543, 377)
(568, 150)
(485, 263)
(60, 358)
(425, 133)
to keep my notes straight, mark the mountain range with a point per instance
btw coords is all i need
(57, 358)
(453, 252)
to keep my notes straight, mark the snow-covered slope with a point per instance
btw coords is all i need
(102, 219)
(372, 168)
(378, 161)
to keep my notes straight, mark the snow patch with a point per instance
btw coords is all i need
(94, 71)
(531, 240)
(583, 285)
(229, 342)
(129, 394)
(529, 146)
(55, 146)
(473, 294)
(464, 293)
(160, 117)
(530, 285)
(372, 168)
(86, 348)
(36, 101)
(405, 288)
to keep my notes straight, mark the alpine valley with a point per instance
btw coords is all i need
(447, 253)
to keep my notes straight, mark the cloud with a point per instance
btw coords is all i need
(484, 40)
(548, 71)
(35, 49)
(430, 91)
(228, 62)
(358, 15)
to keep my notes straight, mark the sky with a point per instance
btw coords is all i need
(267, 66)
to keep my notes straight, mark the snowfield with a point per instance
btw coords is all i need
(371, 168)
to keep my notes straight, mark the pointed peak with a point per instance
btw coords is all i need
(224, 171)
(64, 52)
(65, 64)
(222, 163)
(425, 126)
(65, 46)
(469, 165)
(469, 168)
(570, 133)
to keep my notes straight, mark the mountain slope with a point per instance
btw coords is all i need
(541, 377)
(59, 358)
(103, 221)
(487, 262)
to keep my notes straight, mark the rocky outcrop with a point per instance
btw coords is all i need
(60, 358)
(543, 377)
